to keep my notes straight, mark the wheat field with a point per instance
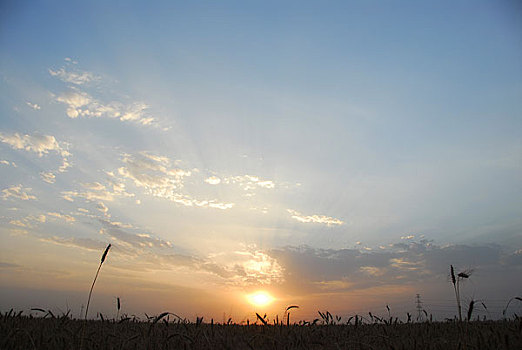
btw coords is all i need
(19, 331)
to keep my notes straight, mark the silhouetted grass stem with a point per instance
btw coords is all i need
(95, 278)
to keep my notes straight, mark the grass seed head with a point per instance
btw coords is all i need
(470, 309)
(105, 253)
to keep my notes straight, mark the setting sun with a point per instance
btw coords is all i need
(260, 298)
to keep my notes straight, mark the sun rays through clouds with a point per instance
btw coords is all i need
(237, 149)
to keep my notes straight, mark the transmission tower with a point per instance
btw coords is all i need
(418, 307)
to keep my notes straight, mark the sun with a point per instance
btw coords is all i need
(260, 298)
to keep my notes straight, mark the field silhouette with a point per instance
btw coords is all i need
(18, 331)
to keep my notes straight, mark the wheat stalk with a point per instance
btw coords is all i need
(95, 278)
(456, 285)
(118, 306)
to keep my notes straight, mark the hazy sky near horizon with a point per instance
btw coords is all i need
(332, 153)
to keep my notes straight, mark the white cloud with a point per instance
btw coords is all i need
(41, 144)
(17, 192)
(96, 191)
(152, 173)
(81, 104)
(250, 182)
(19, 223)
(64, 166)
(188, 201)
(320, 219)
(373, 271)
(102, 208)
(266, 184)
(223, 206)
(263, 210)
(5, 162)
(213, 180)
(18, 232)
(75, 101)
(48, 177)
(28, 221)
(70, 60)
(249, 266)
(94, 186)
(83, 101)
(33, 106)
(73, 77)
(155, 175)
(65, 217)
(37, 143)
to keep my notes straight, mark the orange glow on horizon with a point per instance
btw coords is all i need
(260, 298)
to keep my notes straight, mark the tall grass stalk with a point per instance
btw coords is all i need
(118, 306)
(456, 285)
(454, 281)
(95, 278)
(509, 302)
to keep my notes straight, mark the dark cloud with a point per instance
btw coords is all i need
(401, 263)
(514, 259)
(132, 242)
(6, 265)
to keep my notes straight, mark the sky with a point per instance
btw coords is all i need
(338, 155)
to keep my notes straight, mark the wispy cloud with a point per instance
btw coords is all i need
(80, 101)
(244, 267)
(97, 191)
(39, 144)
(250, 182)
(102, 208)
(250, 266)
(153, 173)
(81, 104)
(213, 180)
(188, 201)
(48, 177)
(33, 106)
(320, 219)
(29, 221)
(18, 192)
(5, 265)
(75, 76)
(84, 243)
(6, 162)
(65, 217)
(133, 241)
(158, 178)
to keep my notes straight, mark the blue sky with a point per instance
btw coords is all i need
(216, 145)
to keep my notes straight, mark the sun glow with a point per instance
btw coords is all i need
(260, 298)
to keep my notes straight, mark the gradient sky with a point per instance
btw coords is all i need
(340, 155)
